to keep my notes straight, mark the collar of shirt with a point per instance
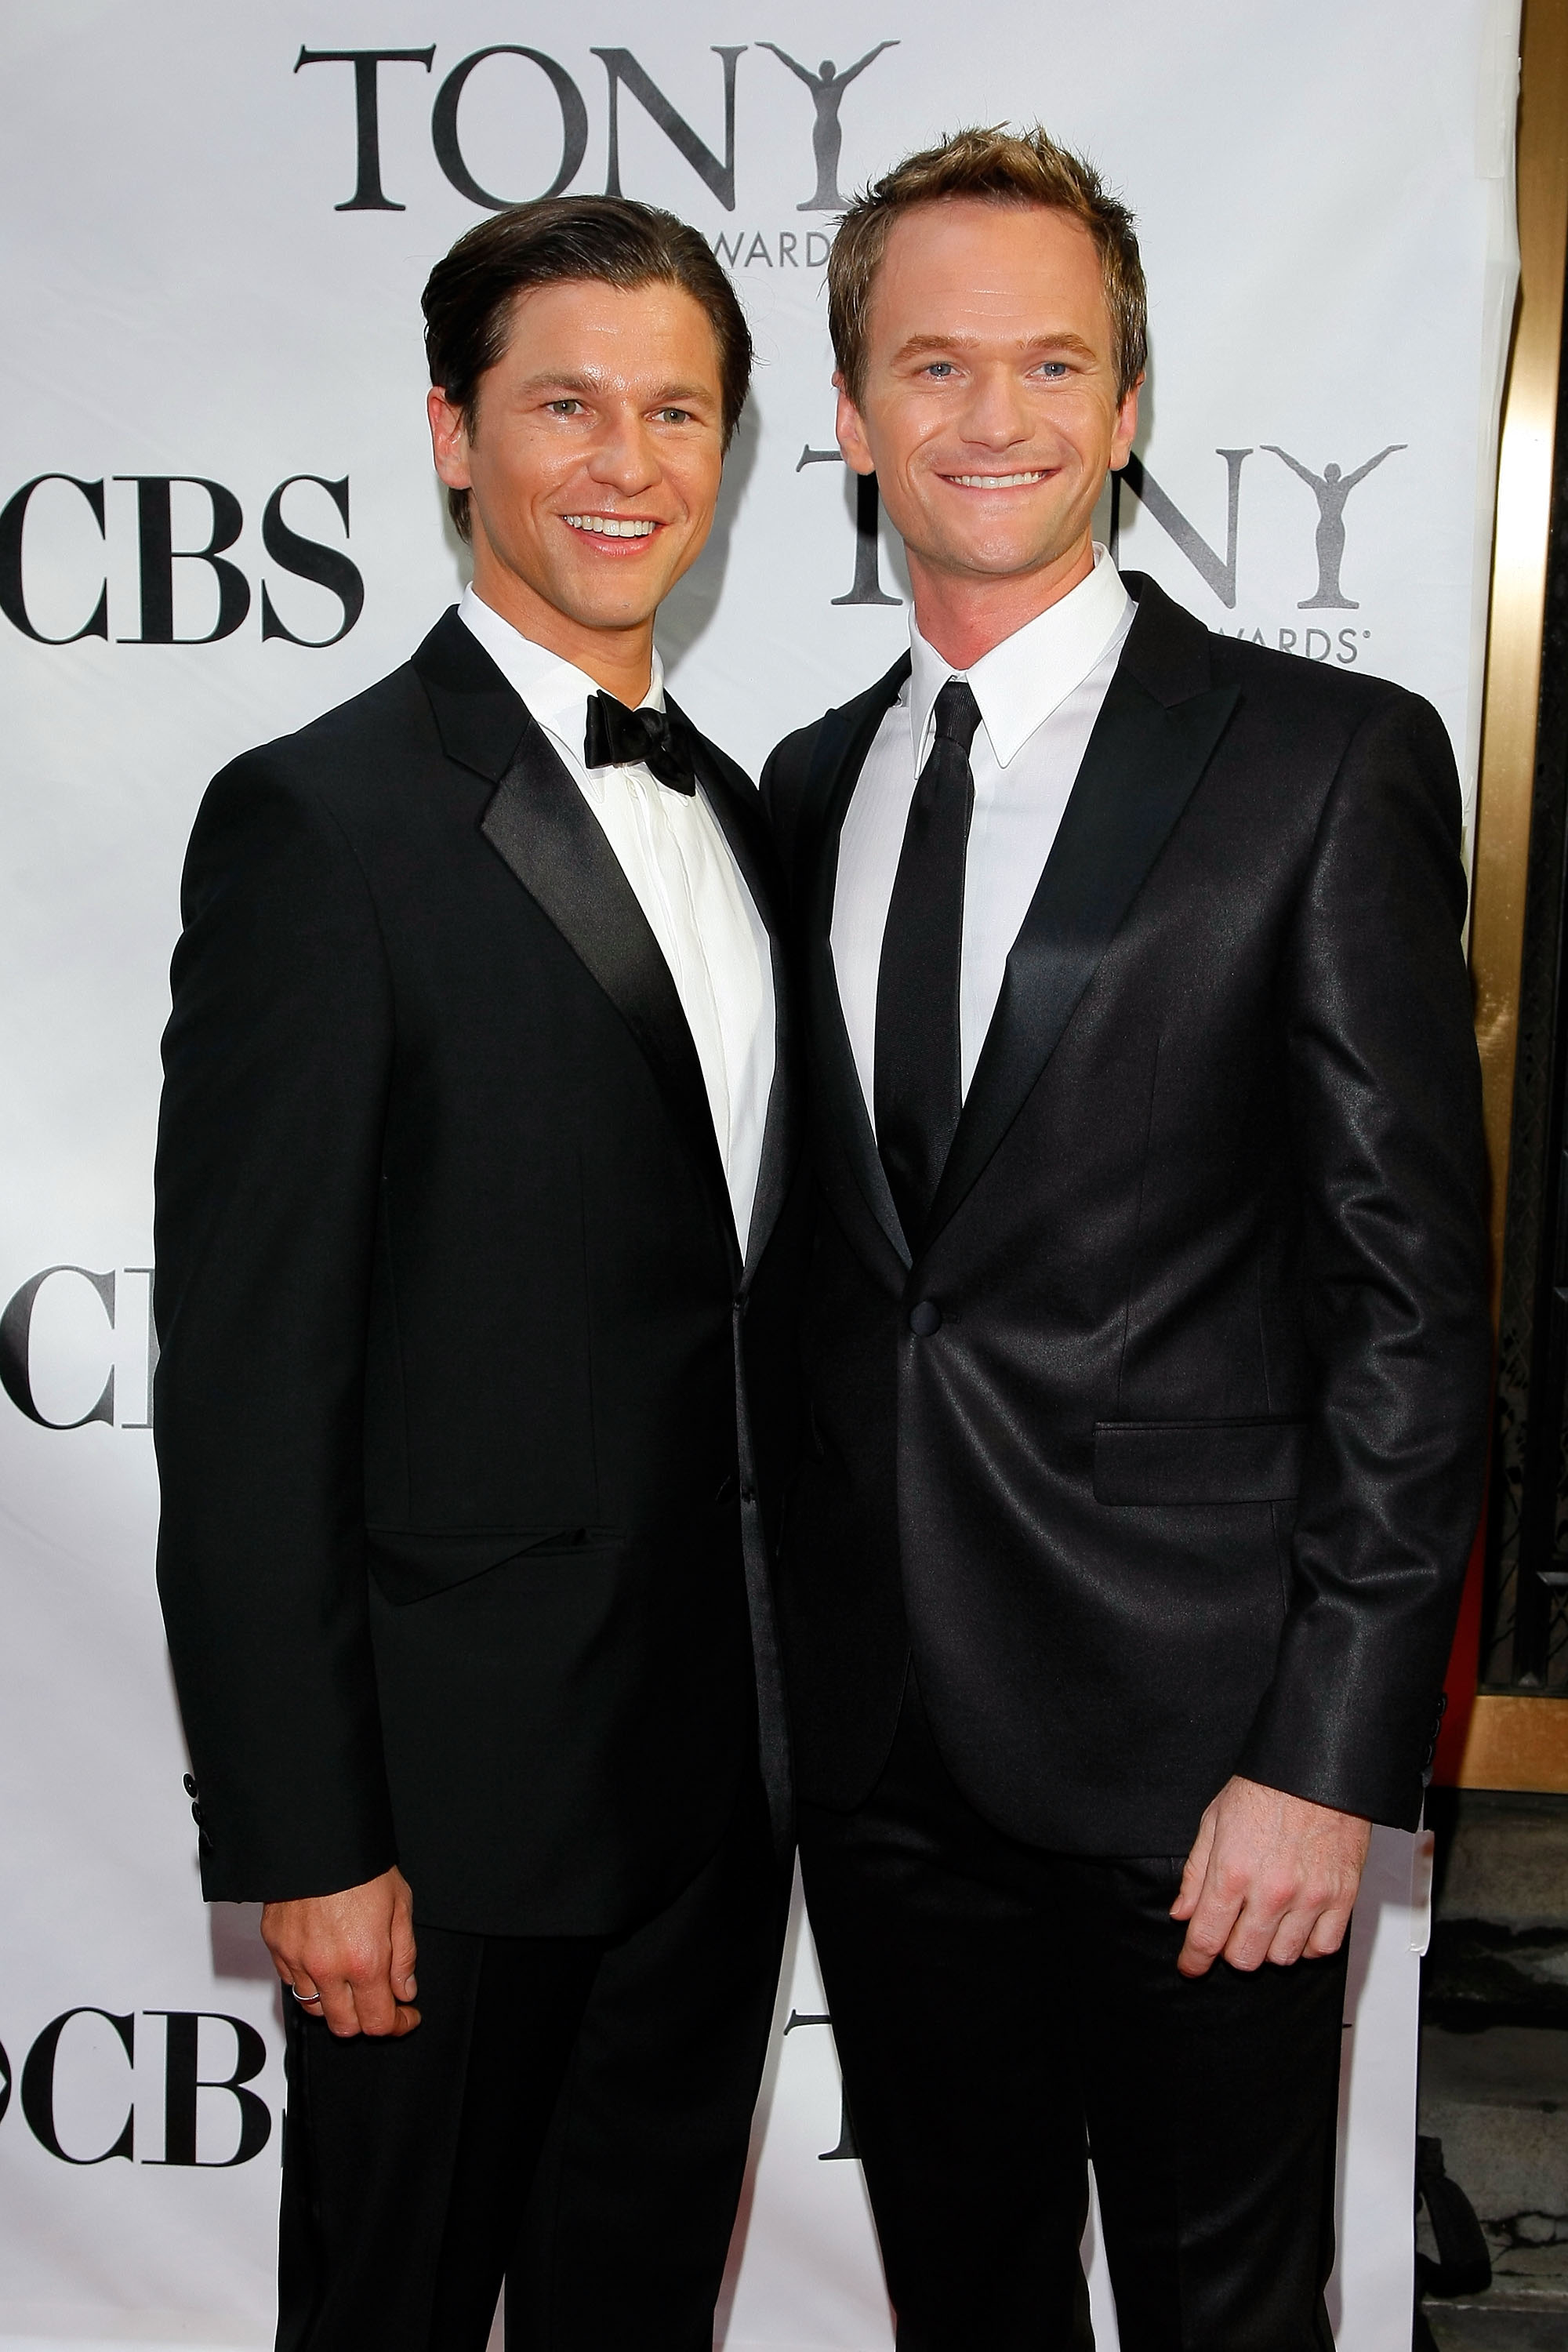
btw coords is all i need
(555, 691)
(1021, 681)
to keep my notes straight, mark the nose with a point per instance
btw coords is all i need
(624, 458)
(998, 415)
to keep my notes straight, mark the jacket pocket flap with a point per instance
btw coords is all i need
(1199, 1461)
(407, 1564)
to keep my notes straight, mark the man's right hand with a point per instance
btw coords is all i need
(348, 1958)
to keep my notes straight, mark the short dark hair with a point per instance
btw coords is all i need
(470, 295)
(997, 167)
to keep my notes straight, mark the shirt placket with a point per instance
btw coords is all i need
(670, 857)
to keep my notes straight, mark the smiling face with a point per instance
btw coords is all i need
(592, 456)
(988, 409)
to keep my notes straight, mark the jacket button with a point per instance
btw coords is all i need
(925, 1319)
(190, 1786)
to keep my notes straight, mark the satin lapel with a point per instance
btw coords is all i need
(478, 716)
(846, 737)
(733, 800)
(1144, 760)
(541, 827)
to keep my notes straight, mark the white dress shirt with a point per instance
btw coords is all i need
(672, 850)
(1040, 693)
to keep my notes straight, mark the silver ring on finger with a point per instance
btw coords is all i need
(304, 1998)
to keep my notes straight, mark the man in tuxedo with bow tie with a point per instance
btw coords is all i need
(474, 1293)
(1147, 1344)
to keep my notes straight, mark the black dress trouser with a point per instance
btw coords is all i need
(571, 2113)
(999, 2011)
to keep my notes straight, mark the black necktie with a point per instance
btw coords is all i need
(619, 738)
(918, 1087)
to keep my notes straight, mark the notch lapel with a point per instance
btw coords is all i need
(846, 737)
(478, 716)
(539, 825)
(1156, 733)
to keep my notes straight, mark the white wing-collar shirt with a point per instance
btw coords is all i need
(671, 848)
(1040, 693)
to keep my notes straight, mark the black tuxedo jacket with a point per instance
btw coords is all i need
(1163, 1456)
(462, 1555)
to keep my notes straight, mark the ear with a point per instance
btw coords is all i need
(1125, 428)
(850, 427)
(448, 440)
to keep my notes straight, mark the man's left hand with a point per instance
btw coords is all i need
(1270, 1877)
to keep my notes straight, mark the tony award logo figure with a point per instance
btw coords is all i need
(828, 87)
(1331, 488)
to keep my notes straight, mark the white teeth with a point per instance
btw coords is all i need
(612, 526)
(997, 481)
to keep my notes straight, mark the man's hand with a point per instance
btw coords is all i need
(1270, 1877)
(352, 1953)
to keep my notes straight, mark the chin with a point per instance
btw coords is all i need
(999, 562)
(601, 611)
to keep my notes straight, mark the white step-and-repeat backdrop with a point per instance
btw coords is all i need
(217, 518)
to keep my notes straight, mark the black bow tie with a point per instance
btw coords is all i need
(619, 738)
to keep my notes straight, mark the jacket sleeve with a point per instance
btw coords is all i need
(1384, 1093)
(276, 1066)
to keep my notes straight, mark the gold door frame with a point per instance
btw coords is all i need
(1520, 1742)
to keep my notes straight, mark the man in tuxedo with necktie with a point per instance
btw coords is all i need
(475, 1299)
(1146, 1332)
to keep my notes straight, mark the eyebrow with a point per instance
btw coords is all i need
(586, 382)
(1063, 341)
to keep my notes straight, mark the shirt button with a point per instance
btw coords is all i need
(925, 1319)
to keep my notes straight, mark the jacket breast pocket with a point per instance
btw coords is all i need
(1166, 1462)
(411, 1564)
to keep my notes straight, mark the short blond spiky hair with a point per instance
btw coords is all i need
(998, 167)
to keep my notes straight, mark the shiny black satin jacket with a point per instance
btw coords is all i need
(1163, 1456)
(463, 1554)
